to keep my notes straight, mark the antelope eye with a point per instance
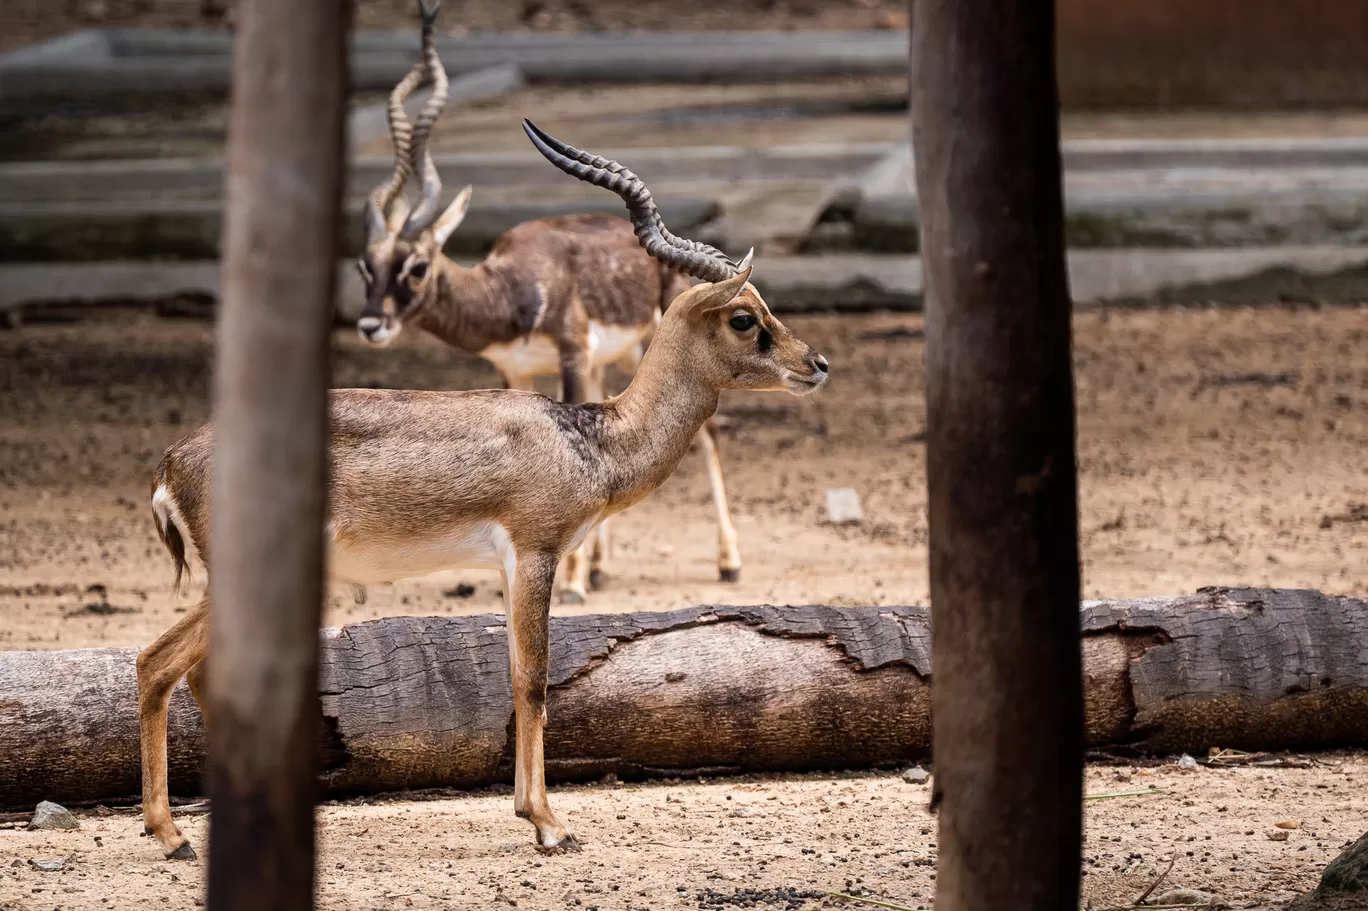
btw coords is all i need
(418, 270)
(742, 321)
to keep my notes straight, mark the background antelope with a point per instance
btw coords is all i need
(558, 296)
(493, 479)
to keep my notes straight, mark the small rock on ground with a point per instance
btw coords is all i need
(843, 506)
(916, 775)
(49, 864)
(1187, 763)
(1183, 897)
(51, 815)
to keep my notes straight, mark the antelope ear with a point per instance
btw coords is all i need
(451, 219)
(720, 294)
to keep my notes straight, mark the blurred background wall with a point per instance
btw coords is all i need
(1180, 53)
(1244, 53)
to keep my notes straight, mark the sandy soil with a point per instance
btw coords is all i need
(1215, 448)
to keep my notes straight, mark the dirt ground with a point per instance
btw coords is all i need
(25, 21)
(1216, 447)
(735, 843)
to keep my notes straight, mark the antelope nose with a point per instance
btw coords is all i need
(368, 325)
(820, 363)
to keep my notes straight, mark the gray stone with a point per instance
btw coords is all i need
(51, 815)
(49, 864)
(916, 775)
(1187, 763)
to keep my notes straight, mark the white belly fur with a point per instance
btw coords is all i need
(480, 545)
(536, 354)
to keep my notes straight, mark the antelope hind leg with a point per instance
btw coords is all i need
(728, 554)
(160, 666)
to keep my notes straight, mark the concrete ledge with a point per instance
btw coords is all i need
(135, 42)
(1121, 277)
(145, 67)
(171, 230)
(184, 179)
(1149, 193)
(1174, 208)
(847, 283)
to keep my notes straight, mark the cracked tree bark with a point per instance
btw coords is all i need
(283, 193)
(424, 702)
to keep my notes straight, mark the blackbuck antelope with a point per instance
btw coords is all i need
(559, 296)
(497, 479)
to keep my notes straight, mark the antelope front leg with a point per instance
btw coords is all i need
(160, 666)
(728, 555)
(528, 579)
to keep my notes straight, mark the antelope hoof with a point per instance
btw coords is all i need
(571, 597)
(729, 575)
(566, 845)
(184, 852)
(596, 579)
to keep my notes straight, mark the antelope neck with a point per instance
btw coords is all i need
(648, 428)
(468, 308)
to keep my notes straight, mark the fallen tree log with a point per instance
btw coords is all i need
(416, 702)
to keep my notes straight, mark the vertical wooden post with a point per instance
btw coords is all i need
(1007, 709)
(285, 165)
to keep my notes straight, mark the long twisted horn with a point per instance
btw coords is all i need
(426, 210)
(688, 256)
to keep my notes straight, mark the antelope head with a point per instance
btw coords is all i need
(403, 242)
(745, 346)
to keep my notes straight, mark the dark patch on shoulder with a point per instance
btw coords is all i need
(581, 425)
(526, 303)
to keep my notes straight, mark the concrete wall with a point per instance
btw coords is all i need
(1246, 53)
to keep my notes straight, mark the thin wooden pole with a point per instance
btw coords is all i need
(1007, 696)
(285, 166)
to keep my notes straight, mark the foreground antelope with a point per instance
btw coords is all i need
(559, 296)
(493, 479)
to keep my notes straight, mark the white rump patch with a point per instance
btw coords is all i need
(167, 513)
(531, 355)
(536, 354)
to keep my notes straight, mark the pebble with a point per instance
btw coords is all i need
(1287, 824)
(1184, 897)
(1278, 835)
(49, 864)
(916, 775)
(1187, 763)
(49, 815)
